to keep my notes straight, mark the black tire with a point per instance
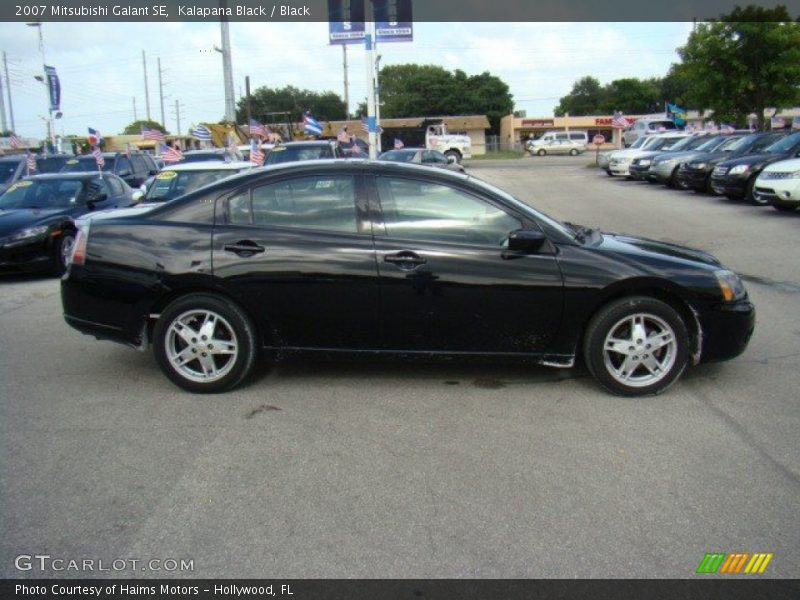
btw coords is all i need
(62, 249)
(232, 319)
(573, 152)
(750, 194)
(541, 152)
(454, 154)
(609, 173)
(785, 207)
(609, 319)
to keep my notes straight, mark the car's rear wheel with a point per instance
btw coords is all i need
(751, 196)
(609, 173)
(204, 343)
(573, 152)
(636, 346)
(62, 251)
(542, 152)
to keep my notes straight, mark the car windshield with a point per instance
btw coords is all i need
(684, 143)
(709, 144)
(7, 170)
(50, 164)
(50, 193)
(398, 155)
(784, 145)
(284, 154)
(85, 163)
(171, 184)
(640, 142)
(663, 143)
(729, 144)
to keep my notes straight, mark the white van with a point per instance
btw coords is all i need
(580, 137)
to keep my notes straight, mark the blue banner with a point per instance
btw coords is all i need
(54, 87)
(346, 21)
(393, 22)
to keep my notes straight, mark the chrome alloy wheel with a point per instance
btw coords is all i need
(201, 346)
(640, 350)
(67, 245)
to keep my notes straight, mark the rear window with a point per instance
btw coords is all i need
(284, 154)
(661, 125)
(86, 163)
(171, 184)
(579, 137)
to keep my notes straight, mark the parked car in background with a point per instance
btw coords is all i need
(308, 150)
(736, 178)
(603, 158)
(183, 178)
(779, 185)
(620, 162)
(244, 150)
(380, 257)
(644, 127)
(208, 154)
(38, 213)
(422, 156)
(355, 148)
(663, 167)
(580, 137)
(134, 169)
(695, 174)
(570, 147)
(14, 167)
(640, 166)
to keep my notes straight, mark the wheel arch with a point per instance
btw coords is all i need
(660, 289)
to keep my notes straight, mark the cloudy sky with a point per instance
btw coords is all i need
(100, 64)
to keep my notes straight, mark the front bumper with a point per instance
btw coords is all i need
(778, 192)
(726, 330)
(662, 172)
(621, 169)
(26, 255)
(728, 185)
(693, 179)
(638, 172)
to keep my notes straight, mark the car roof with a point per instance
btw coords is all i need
(208, 165)
(207, 151)
(75, 175)
(307, 143)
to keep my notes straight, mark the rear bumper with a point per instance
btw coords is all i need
(727, 329)
(103, 332)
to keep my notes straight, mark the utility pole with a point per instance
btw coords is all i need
(8, 90)
(161, 94)
(375, 74)
(370, 72)
(247, 101)
(135, 118)
(2, 107)
(346, 82)
(177, 117)
(146, 92)
(227, 66)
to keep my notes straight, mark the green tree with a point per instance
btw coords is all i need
(633, 96)
(326, 106)
(136, 127)
(586, 98)
(743, 63)
(412, 90)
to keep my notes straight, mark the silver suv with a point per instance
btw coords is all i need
(644, 127)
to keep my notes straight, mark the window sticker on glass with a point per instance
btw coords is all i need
(278, 149)
(20, 184)
(167, 175)
(324, 184)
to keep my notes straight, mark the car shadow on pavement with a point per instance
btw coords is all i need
(9, 277)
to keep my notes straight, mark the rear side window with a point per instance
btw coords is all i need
(319, 202)
(578, 137)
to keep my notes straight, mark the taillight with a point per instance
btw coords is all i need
(79, 250)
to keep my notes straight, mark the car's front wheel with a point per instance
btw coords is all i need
(636, 346)
(62, 251)
(542, 152)
(573, 152)
(204, 343)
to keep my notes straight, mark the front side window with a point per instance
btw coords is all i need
(319, 202)
(424, 211)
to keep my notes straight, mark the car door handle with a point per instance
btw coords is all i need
(406, 260)
(244, 248)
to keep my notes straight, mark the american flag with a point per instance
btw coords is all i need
(152, 134)
(258, 129)
(365, 126)
(311, 125)
(14, 141)
(170, 154)
(398, 143)
(256, 154)
(619, 121)
(777, 123)
(201, 132)
(30, 162)
(98, 157)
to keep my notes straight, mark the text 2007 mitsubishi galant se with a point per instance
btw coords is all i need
(366, 257)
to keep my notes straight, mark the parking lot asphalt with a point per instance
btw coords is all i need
(398, 469)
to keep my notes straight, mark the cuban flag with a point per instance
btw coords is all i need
(311, 125)
(201, 132)
(95, 137)
(398, 144)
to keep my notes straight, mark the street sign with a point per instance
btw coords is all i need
(346, 22)
(599, 139)
(393, 21)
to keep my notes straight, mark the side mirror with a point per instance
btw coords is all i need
(137, 195)
(524, 241)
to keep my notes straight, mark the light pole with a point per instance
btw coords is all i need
(51, 133)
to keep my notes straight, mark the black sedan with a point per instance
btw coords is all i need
(736, 178)
(14, 167)
(37, 216)
(695, 174)
(366, 257)
(422, 156)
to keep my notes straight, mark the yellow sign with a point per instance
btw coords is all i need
(167, 175)
(20, 184)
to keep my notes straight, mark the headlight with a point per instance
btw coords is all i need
(698, 166)
(645, 162)
(739, 169)
(730, 285)
(30, 232)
